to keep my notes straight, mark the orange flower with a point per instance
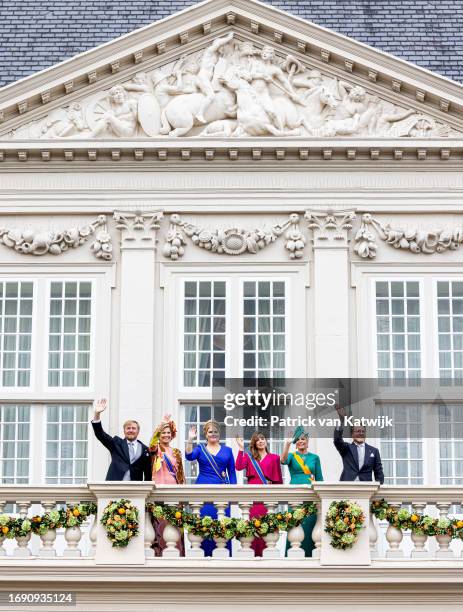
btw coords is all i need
(178, 515)
(257, 523)
(346, 520)
(5, 529)
(414, 518)
(121, 510)
(76, 512)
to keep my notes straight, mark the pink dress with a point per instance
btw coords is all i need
(164, 476)
(271, 468)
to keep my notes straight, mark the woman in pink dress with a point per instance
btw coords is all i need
(261, 468)
(167, 468)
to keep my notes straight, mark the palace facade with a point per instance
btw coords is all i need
(234, 192)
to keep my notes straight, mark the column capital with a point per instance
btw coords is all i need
(138, 228)
(330, 227)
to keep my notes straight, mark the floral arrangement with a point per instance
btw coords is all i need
(229, 528)
(418, 523)
(72, 516)
(344, 521)
(120, 519)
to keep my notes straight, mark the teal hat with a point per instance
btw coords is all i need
(298, 432)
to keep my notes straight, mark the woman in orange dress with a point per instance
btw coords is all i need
(167, 468)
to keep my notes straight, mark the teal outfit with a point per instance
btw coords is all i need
(298, 477)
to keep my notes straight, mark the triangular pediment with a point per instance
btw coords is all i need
(231, 69)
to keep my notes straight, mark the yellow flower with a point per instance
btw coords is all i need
(76, 512)
(414, 518)
(459, 524)
(257, 523)
(5, 529)
(178, 515)
(121, 510)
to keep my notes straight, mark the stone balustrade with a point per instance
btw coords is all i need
(377, 542)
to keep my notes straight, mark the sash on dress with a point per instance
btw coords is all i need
(222, 475)
(170, 467)
(256, 466)
(304, 467)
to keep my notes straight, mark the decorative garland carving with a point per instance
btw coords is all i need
(41, 242)
(414, 240)
(232, 241)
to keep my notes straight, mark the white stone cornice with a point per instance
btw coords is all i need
(138, 228)
(278, 151)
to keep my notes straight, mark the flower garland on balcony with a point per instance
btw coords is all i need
(120, 520)
(344, 522)
(229, 528)
(421, 524)
(73, 516)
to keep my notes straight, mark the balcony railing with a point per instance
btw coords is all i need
(377, 542)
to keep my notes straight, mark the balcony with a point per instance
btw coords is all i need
(384, 565)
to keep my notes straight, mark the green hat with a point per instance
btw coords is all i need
(298, 432)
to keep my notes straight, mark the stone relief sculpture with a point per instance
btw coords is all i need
(232, 241)
(232, 89)
(41, 242)
(413, 240)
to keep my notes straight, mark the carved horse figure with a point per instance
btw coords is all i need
(179, 112)
(253, 119)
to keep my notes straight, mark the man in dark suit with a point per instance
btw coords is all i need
(130, 458)
(360, 460)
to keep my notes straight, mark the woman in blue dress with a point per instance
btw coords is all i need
(216, 466)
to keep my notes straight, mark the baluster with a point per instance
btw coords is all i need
(419, 539)
(93, 535)
(2, 536)
(246, 551)
(373, 537)
(195, 540)
(444, 551)
(22, 550)
(317, 532)
(295, 538)
(72, 535)
(221, 551)
(394, 537)
(171, 536)
(48, 538)
(149, 535)
(271, 539)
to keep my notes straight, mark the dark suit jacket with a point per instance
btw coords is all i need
(348, 451)
(120, 459)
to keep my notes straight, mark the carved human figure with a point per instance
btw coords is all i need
(352, 113)
(121, 118)
(206, 72)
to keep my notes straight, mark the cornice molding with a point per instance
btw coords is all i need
(207, 151)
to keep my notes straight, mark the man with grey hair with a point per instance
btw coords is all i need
(130, 458)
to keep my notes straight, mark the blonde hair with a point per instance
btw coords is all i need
(210, 423)
(131, 421)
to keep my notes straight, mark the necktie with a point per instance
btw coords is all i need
(361, 455)
(131, 452)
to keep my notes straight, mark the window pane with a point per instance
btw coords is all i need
(204, 328)
(398, 329)
(14, 443)
(70, 326)
(67, 444)
(16, 341)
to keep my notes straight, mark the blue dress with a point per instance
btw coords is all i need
(207, 475)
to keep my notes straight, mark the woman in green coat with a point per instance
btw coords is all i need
(304, 468)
